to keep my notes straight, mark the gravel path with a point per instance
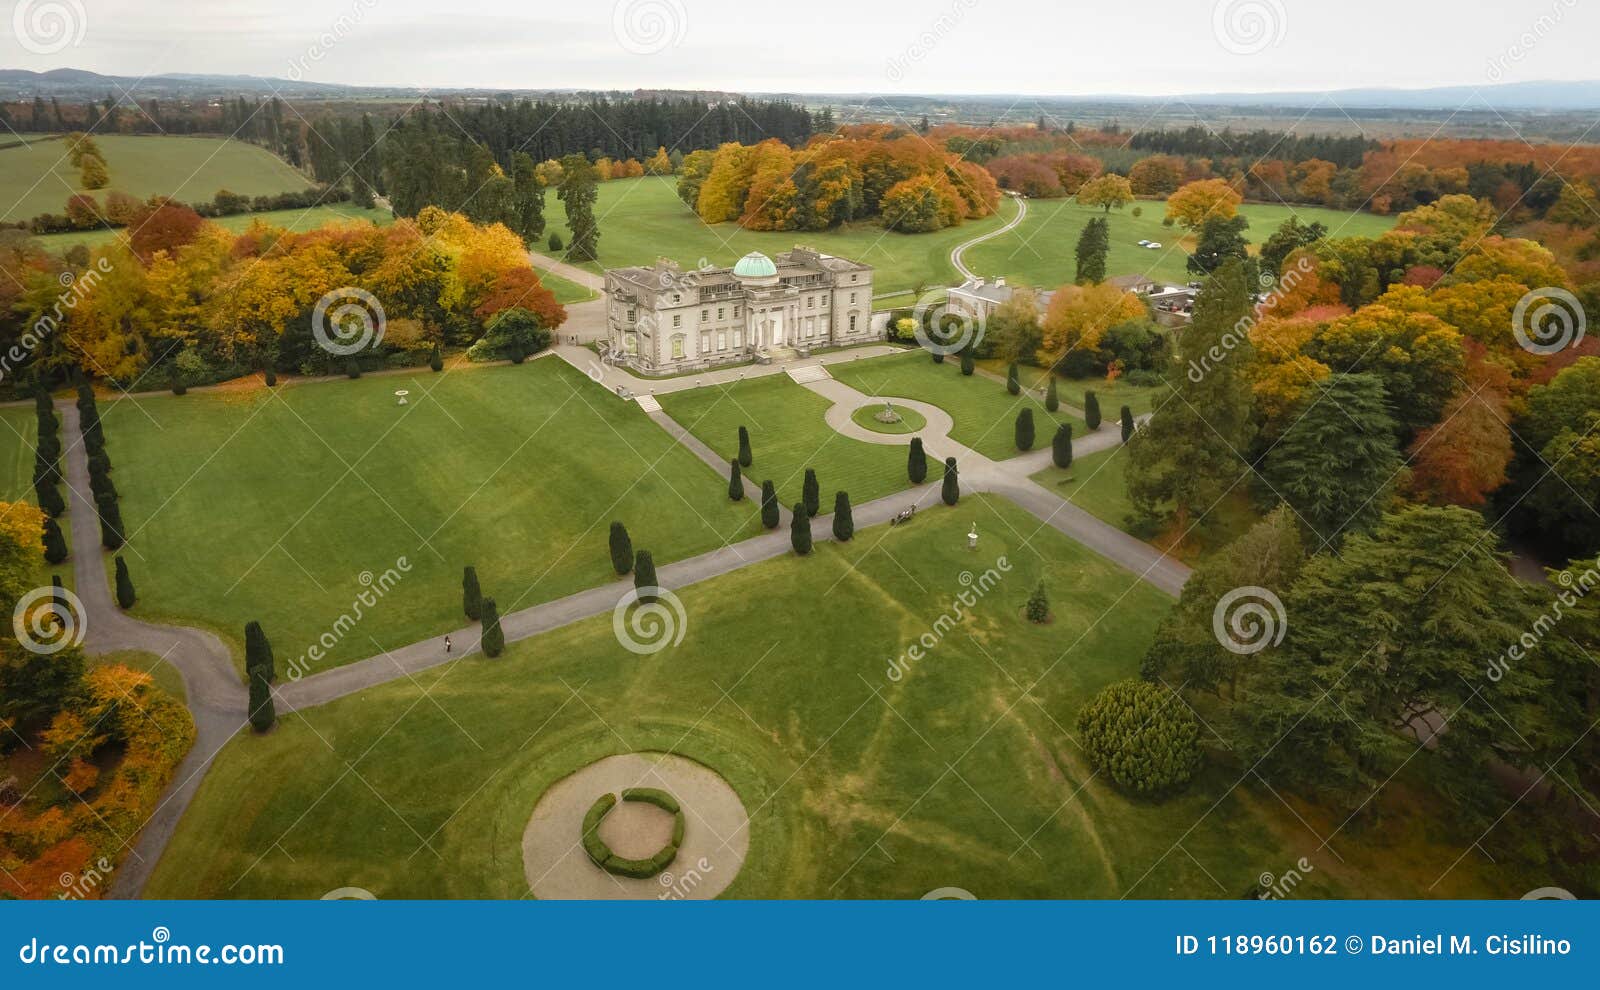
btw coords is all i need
(961, 249)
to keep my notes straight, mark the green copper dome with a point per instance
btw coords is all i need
(755, 265)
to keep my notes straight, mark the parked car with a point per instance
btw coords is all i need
(1153, 245)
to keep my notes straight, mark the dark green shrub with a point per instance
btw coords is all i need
(917, 462)
(644, 576)
(1061, 446)
(125, 593)
(844, 524)
(435, 359)
(746, 458)
(352, 368)
(1091, 409)
(111, 526)
(272, 378)
(950, 492)
(652, 795)
(1039, 605)
(1139, 735)
(494, 638)
(258, 651)
(263, 715)
(1024, 430)
(1127, 424)
(55, 545)
(471, 594)
(735, 482)
(969, 364)
(555, 242)
(810, 493)
(1052, 401)
(770, 516)
(1013, 380)
(800, 530)
(621, 549)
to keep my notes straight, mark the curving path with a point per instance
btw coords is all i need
(960, 249)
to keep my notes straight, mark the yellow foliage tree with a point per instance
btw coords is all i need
(1197, 202)
(1079, 315)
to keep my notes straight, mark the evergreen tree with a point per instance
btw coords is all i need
(1024, 430)
(937, 355)
(471, 594)
(110, 525)
(1093, 246)
(735, 482)
(951, 491)
(1127, 424)
(746, 458)
(1013, 381)
(272, 378)
(844, 525)
(577, 190)
(769, 505)
(435, 359)
(50, 501)
(917, 462)
(969, 364)
(621, 548)
(1221, 239)
(1052, 401)
(55, 545)
(262, 713)
(125, 594)
(1039, 605)
(1061, 446)
(810, 493)
(1091, 409)
(493, 640)
(352, 368)
(644, 576)
(258, 651)
(800, 530)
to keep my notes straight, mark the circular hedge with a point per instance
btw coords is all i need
(910, 420)
(639, 869)
(1142, 736)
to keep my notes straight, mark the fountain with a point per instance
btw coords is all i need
(887, 413)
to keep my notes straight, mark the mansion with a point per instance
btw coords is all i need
(664, 319)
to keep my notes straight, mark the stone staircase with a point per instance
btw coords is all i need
(808, 373)
(648, 403)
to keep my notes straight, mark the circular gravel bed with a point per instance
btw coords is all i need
(910, 420)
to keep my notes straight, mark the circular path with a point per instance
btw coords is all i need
(847, 400)
(716, 833)
(909, 421)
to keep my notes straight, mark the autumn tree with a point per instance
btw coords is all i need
(1418, 357)
(1196, 202)
(1106, 192)
(1079, 315)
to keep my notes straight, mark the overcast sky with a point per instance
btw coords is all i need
(1043, 47)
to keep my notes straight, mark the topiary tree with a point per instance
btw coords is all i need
(1024, 430)
(1141, 736)
(125, 594)
(175, 380)
(555, 242)
(471, 595)
(493, 640)
(352, 368)
(110, 525)
(1013, 380)
(1052, 401)
(810, 493)
(951, 491)
(746, 458)
(1061, 446)
(621, 549)
(1091, 409)
(644, 576)
(917, 462)
(769, 505)
(969, 364)
(800, 530)
(55, 545)
(272, 378)
(1127, 424)
(258, 651)
(1038, 608)
(844, 525)
(735, 482)
(262, 714)
(938, 356)
(435, 359)
(50, 501)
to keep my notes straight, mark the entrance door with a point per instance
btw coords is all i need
(776, 317)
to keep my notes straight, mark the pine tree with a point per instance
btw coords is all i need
(1091, 409)
(844, 524)
(1024, 430)
(1052, 401)
(262, 714)
(1013, 380)
(800, 530)
(1094, 243)
(125, 594)
(746, 458)
(644, 576)
(735, 482)
(951, 491)
(621, 549)
(969, 364)
(917, 462)
(471, 594)
(1127, 424)
(258, 651)
(769, 505)
(493, 640)
(55, 545)
(810, 493)
(1039, 605)
(1061, 446)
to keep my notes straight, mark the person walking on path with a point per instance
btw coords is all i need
(447, 646)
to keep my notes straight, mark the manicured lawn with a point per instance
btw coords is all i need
(642, 219)
(858, 786)
(787, 435)
(985, 413)
(281, 505)
(39, 178)
(19, 428)
(1113, 395)
(293, 220)
(566, 290)
(910, 420)
(1039, 251)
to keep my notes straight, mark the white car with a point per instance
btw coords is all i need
(1144, 243)
(1153, 245)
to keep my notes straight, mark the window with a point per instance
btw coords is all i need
(677, 319)
(811, 302)
(631, 314)
(632, 343)
(738, 339)
(722, 340)
(677, 343)
(852, 323)
(719, 314)
(736, 312)
(677, 298)
(824, 302)
(705, 342)
(705, 314)
(852, 298)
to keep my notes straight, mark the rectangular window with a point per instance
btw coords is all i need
(705, 342)
(705, 314)
(811, 302)
(736, 312)
(738, 339)
(677, 345)
(824, 302)
(722, 340)
(852, 298)
(852, 323)
(677, 319)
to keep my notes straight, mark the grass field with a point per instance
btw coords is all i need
(38, 178)
(19, 428)
(293, 220)
(1112, 395)
(1040, 251)
(985, 413)
(642, 219)
(272, 504)
(567, 291)
(787, 435)
(963, 773)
